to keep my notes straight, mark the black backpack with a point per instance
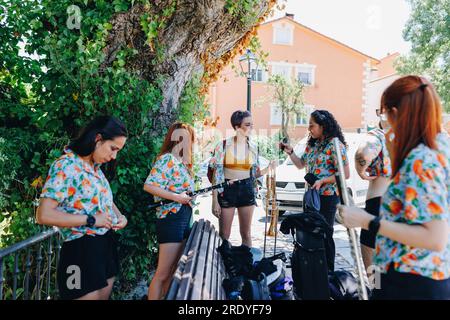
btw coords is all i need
(256, 289)
(343, 286)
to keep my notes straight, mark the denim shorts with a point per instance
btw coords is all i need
(239, 194)
(175, 227)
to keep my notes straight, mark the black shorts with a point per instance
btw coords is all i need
(406, 286)
(175, 227)
(85, 264)
(367, 238)
(239, 194)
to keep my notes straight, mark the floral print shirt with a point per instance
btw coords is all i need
(170, 174)
(79, 189)
(419, 193)
(381, 165)
(321, 161)
(217, 161)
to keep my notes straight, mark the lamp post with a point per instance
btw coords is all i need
(250, 58)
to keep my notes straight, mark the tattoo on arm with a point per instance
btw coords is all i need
(368, 152)
(360, 160)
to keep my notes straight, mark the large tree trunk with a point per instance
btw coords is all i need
(198, 34)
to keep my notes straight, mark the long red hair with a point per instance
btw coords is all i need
(418, 118)
(174, 138)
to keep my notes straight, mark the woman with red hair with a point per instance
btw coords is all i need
(171, 178)
(412, 249)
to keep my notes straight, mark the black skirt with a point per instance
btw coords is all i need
(85, 264)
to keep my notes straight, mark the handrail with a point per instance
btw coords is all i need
(28, 242)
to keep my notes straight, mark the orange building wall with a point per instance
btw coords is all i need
(338, 85)
(386, 65)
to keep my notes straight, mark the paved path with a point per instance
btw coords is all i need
(344, 260)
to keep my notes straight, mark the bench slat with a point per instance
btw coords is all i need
(187, 276)
(211, 272)
(199, 275)
(206, 292)
(221, 274)
(174, 285)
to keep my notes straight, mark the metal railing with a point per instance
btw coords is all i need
(30, 254)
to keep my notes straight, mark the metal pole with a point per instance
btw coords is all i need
(249, 84)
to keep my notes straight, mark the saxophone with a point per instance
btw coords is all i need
(271, 203)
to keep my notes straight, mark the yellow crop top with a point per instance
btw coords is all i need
(231, 162)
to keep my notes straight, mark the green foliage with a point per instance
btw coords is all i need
(428, 30)
(244, 9)
(268, 146)
(51, 83)
(288, 96)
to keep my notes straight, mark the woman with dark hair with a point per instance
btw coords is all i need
(77, 198)
(236, 158)
(320, 160)
(412, 250)
(172, 178)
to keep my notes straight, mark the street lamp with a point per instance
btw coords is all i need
(250, 58)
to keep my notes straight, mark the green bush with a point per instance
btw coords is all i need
(51, 89)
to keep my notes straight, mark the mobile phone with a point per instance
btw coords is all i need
(283, 141)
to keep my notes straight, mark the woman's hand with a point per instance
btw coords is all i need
(183, 198)
(318, 184)
(354, 217)
(216, 209)
(121, 223)
(286, 148)
(103, 220)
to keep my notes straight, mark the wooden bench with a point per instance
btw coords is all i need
(200, 271)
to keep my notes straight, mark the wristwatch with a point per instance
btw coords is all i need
(374, 225)
(90, 222)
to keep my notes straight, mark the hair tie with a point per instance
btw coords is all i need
(423, 86)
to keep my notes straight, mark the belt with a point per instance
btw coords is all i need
(243, 181)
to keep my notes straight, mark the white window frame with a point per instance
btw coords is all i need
(288, 66)
(306, 68)
(274, 110)
(263, 74)
(309, 108)
(283, 27)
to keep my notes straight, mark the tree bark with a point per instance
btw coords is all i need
(198, 33)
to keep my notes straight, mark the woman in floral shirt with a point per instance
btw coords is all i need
(372, 163)
(320, 159)
(171, 178)
(77, 198)
(412, 249)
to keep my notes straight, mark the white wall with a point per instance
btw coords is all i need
(375, 89)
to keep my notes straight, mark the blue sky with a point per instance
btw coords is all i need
(373, 27)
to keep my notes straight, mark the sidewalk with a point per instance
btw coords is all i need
(344, 260)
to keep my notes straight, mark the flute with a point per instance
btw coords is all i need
(194, 193)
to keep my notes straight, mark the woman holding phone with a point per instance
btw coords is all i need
(320, 161)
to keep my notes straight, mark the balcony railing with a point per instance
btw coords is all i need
(28, 268)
